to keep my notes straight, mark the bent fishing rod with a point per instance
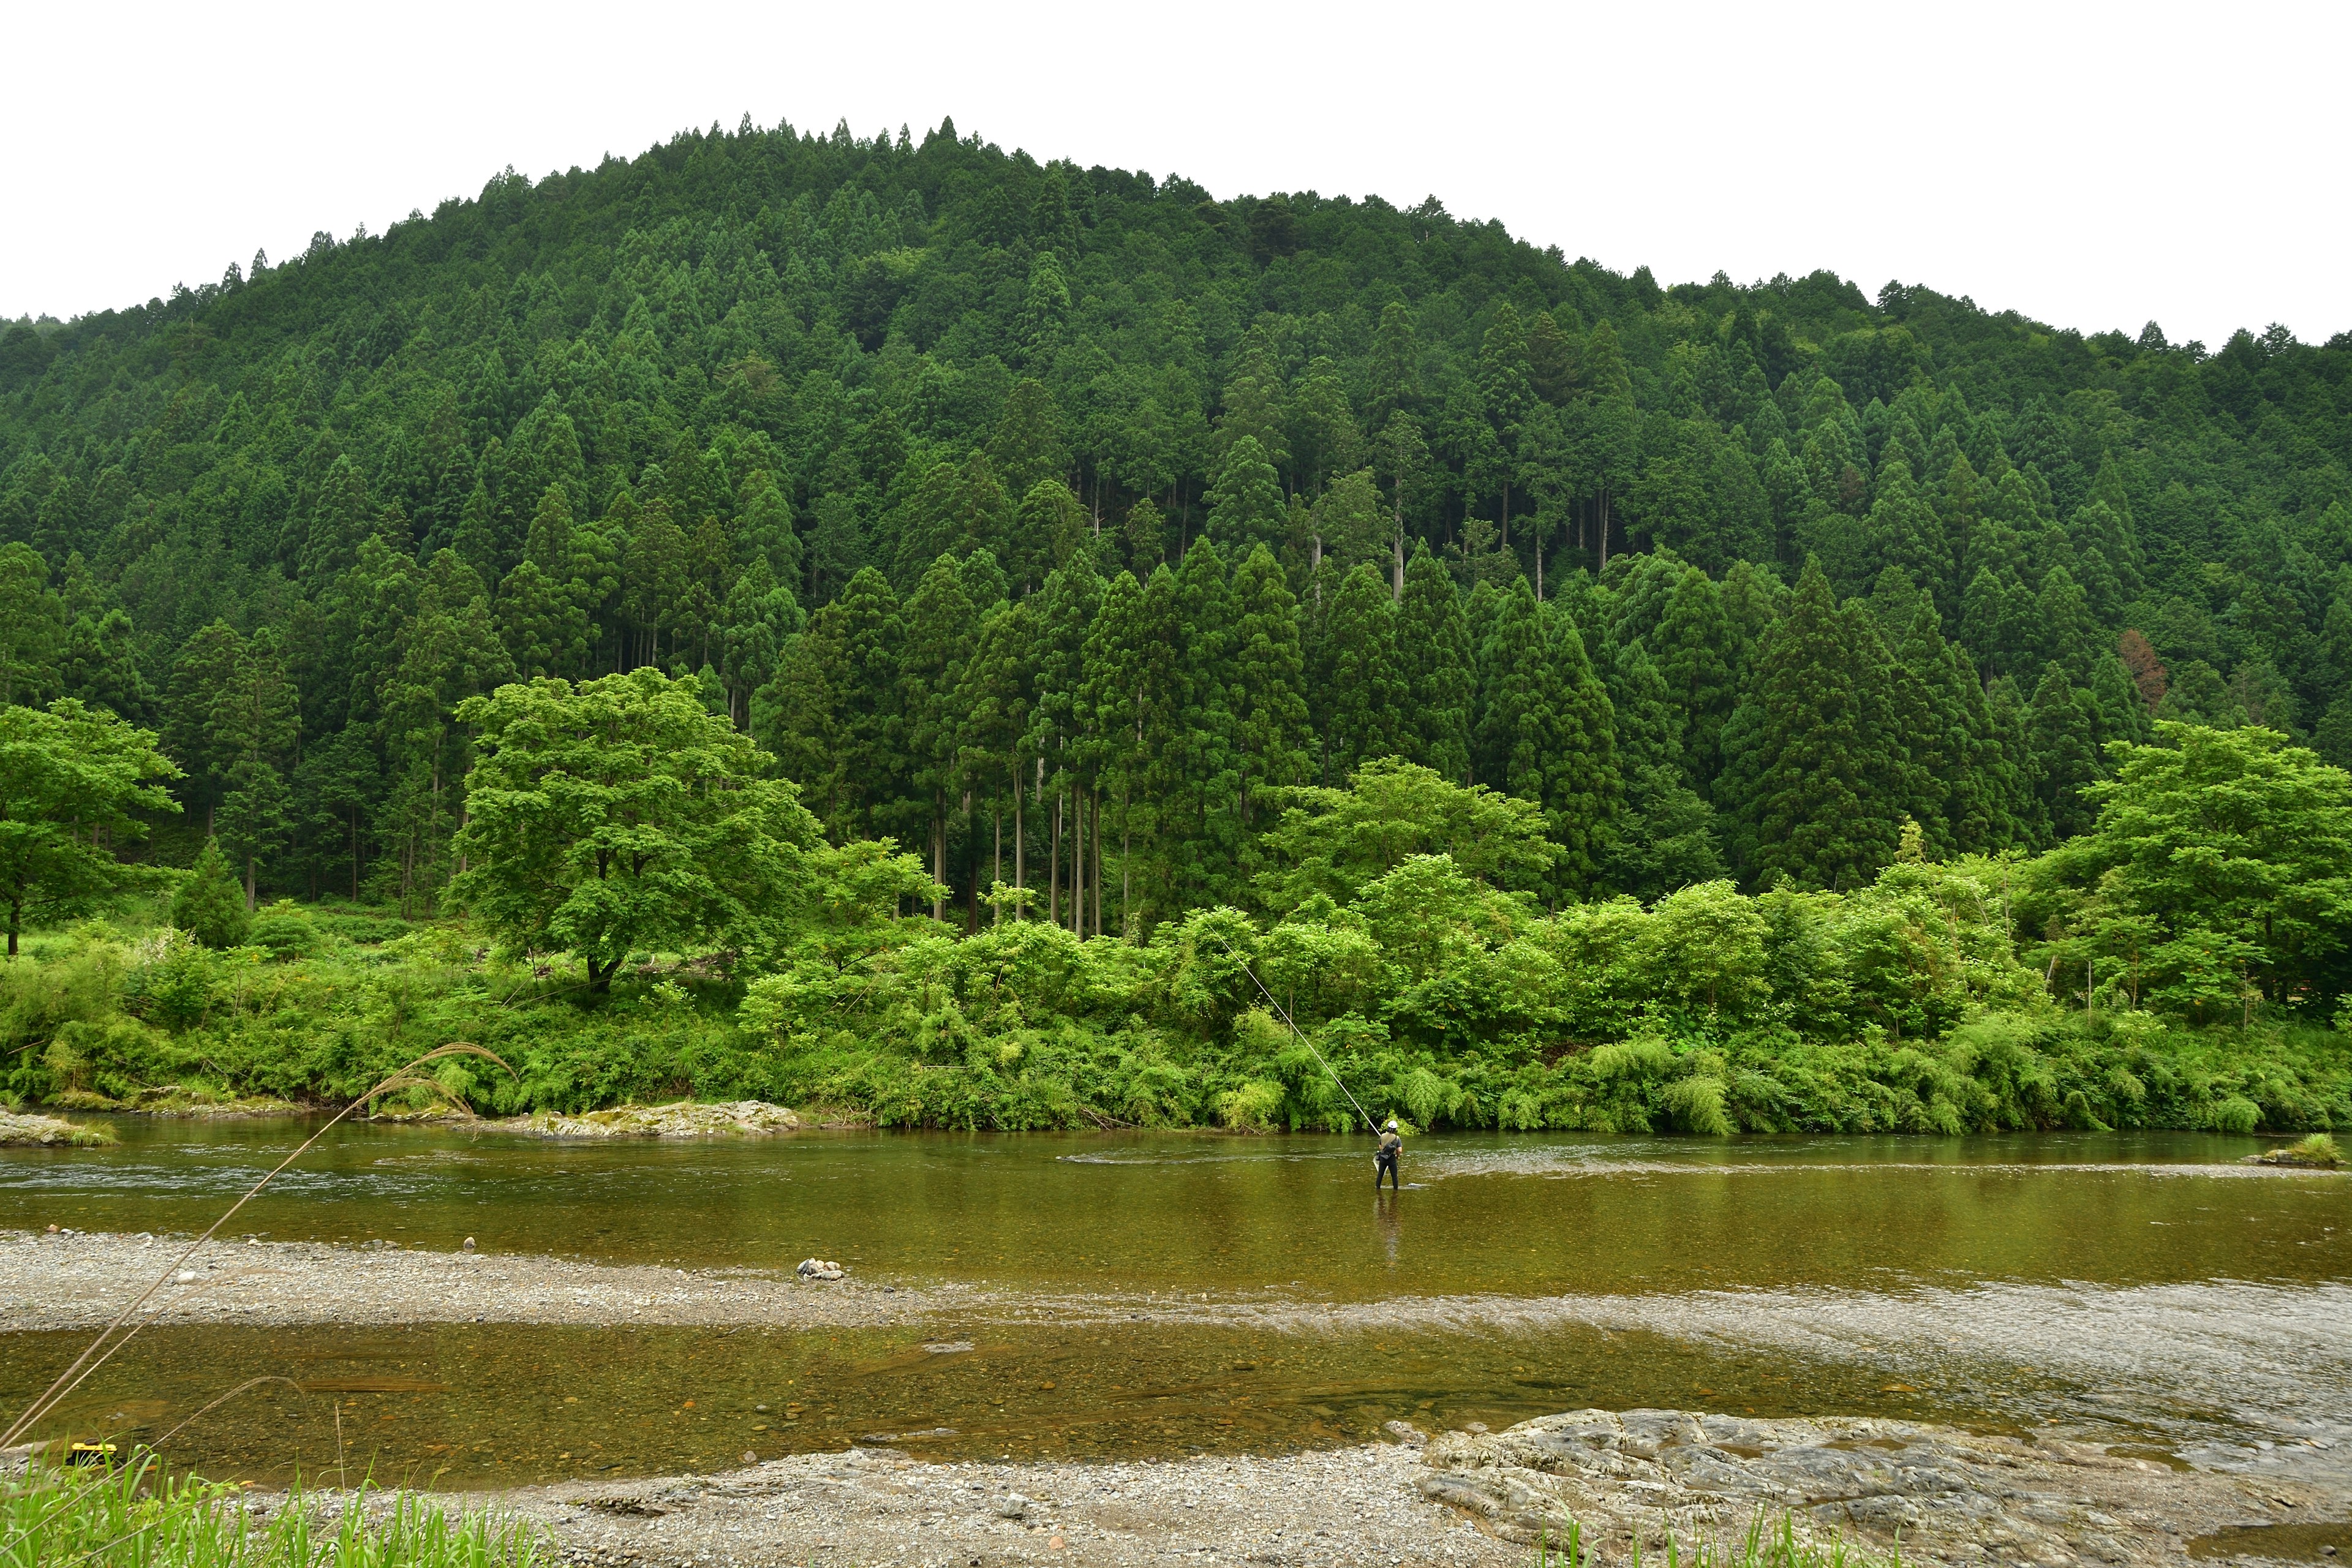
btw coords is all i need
(1302, 1039)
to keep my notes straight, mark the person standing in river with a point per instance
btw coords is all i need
(1384, 1162)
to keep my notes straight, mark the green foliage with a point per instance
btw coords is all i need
(832, 442)
(210, 906)
(621, 815)
(2217, 874)
(137, 1513)
(71, 780)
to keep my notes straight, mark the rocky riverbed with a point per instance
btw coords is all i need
(1463, 1499)
(2046, 1494)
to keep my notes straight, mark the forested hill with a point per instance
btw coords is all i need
(871, 436)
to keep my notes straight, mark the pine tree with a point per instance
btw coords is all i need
(1588, 788)
(210, 906)
(1267, 674)
(1200, 840)
(760, 617)
(1545, 734)
(1437, 668)
(1027, 447)
(1245, 506)
(1905, 533)
(831, 716)
(766, 532)
(2064, 631)
(1049, 529)
(32, 626)
(1831, 779)
(1667, 838)
(2065, 736)
(938, 623)
(1112, 703)
(1354, 689)
(1697, 653)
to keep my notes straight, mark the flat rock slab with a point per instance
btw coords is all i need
(49, 1132)
(1956, 1497)
(683, 1119)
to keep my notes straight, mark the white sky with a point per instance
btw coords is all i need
(2092, 165)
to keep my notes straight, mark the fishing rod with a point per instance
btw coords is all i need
(1302, 1039)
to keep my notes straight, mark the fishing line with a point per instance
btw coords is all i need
(1302, 1039)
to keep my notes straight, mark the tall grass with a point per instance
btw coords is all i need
(1764, 1544)
(141, 1516)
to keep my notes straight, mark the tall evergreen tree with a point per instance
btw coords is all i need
(1831, 779)
(1354, 688)
(1271, 735)
(1246, 507)
(938, 624)
(1437, 666)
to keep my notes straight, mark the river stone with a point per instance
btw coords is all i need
(50, 1132)
(1952, 1497)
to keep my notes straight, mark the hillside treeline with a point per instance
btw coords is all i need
(1063, 524)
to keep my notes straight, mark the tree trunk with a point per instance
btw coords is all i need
(1099, 872)
(1020, 847)
(248, 885)
(939, 858)
(1053, 881)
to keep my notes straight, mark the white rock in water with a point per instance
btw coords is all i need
(818, 1268)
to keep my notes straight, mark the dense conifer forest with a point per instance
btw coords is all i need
(1589, 700)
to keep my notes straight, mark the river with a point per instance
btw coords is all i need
(1198, 1293)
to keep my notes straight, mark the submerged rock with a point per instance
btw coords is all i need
(50, 1132)
(681, 1119)
(818, 1268)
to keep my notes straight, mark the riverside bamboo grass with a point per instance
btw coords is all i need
(1764, 1544)
(141, 1516)
(103, 1348)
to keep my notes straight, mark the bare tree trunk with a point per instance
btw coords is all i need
(940, 857)
(1020, 846)
(1098, 871)
(1054, 893)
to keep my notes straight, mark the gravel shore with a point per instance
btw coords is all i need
(1452, 1500)
(1462, 1500)
(78, 1280)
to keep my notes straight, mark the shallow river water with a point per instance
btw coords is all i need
(2148, 1289)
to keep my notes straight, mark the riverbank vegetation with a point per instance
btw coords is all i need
(894, 624)
(140, 1516)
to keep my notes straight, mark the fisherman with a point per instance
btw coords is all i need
(1384, 1163)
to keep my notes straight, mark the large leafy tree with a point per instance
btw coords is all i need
(76, 786)
(621, 816)
(2218, 873)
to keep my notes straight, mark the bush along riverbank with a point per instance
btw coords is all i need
(1904, 1007)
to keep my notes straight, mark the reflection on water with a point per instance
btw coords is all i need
(1523, 1217)
(462, 1404)
(2146, 1287)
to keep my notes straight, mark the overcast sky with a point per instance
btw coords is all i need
(2093, 166)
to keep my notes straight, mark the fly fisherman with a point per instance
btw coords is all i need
(1384, 1163)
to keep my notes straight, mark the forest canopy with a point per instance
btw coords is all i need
(1018, 543)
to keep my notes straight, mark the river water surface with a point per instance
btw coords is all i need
(1200, 1293)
